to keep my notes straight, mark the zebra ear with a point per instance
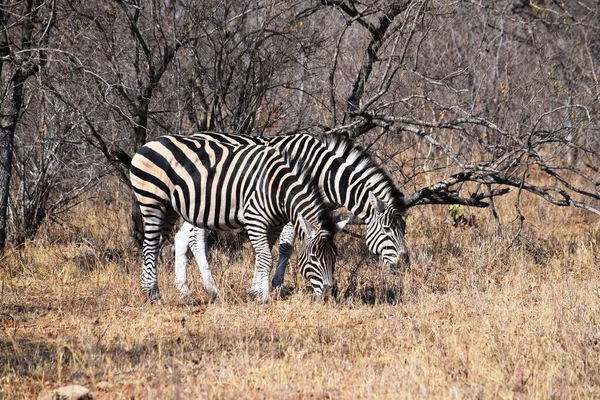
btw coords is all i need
(377, 204)
(339, 226)
(306, 226)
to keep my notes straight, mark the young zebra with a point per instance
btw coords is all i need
(218, 186)
(347, 177)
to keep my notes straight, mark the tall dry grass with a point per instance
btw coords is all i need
(475, 317)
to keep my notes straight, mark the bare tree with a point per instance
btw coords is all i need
(52, 165)
(477, 97)
(247, 70)
(495, 94)
(113, 67)
(155, 68)
(26, 28)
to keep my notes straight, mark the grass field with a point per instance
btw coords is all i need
(475, 317)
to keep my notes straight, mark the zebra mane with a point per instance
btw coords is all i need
(361, 161)
(300, 168)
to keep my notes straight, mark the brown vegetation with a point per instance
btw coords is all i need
(473, 318)
(503, 93)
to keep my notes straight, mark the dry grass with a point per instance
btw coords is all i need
(473, 318)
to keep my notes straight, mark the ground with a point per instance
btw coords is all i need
(475, 316)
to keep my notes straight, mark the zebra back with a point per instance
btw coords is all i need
(347, 176)
(344, 172)
(176, 170)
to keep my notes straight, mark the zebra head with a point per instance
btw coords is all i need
(317, 256)
(385, 234)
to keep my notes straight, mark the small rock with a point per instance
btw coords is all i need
(71, 392)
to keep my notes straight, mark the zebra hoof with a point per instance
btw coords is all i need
(213, 297)
(259, 296)
(277, 283)
(152, 294)
(281, 292)
(184, 291)
(187, 298)
(213, 293)
(190, 301)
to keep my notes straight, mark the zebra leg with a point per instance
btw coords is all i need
(286, 246)
(157, 225)
(152, 238)
(262, 268)
(182, 240)
(198, 247)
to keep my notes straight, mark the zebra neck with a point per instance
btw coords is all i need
(336, 179)
(358, 195)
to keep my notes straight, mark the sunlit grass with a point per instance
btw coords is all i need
(475, 316)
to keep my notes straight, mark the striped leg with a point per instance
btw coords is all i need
(158, 224)
(152, 238)
(171, 217)
(286, 246)
(262, 267)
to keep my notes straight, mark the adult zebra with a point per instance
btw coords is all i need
(218, 186)
(345, 174)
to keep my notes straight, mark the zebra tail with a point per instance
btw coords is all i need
(120, 156)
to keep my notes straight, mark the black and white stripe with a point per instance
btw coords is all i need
(347, 176)
(218, 186)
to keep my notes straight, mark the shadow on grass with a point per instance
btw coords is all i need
(30, 357)
(18, 311)
(44, 358)
(371, 295)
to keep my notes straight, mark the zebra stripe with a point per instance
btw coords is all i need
(347, 176)
(218, 186)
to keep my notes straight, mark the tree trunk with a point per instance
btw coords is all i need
(7, 130)
(8, 125)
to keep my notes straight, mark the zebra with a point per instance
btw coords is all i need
(345, 174)
(218, 186)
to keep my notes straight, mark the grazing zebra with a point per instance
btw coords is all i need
(217, 186)
(346, 175)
